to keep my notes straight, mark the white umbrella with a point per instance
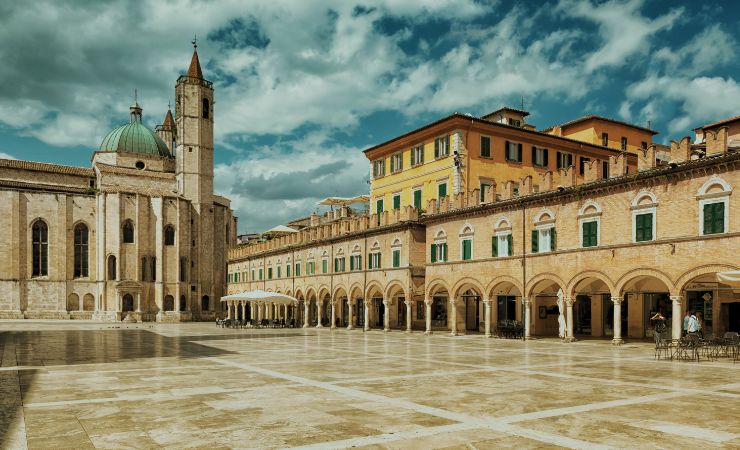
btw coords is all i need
(261, 296)
(731, 278)
(561, 316)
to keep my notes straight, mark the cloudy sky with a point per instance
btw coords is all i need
(302, 87)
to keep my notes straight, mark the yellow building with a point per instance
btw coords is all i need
(461, 153)
(605, 132)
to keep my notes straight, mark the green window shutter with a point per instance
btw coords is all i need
(379, 206)
(278, 271)
(436, 148)
(396, 258)
(708, 213)
(510, 243)
(467, 250)
(535, 241)
(494, 246)
(553, 239)
(447, 144)
(589, 234)
(442, 190)
(718, 218)
(444, 252)
(397, 202)
(352, 263)
(434, 253)
(359, 262)
(417, 199)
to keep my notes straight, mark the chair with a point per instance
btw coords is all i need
(662, 347)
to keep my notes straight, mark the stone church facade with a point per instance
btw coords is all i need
(139, 236)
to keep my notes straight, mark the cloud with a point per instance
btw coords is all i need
(4, 155)
(623, 29)
(283, 181)
(699, 100)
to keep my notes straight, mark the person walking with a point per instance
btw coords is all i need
(693, 326)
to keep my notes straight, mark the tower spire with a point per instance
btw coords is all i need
(194, 70)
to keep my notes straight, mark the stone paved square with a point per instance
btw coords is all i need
(193, 385)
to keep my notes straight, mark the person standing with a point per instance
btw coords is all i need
(686, 322)
(693, 324)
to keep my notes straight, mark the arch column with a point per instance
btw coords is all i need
(386, 315)
(319, 308)
(408, 315)
(487, 316)
(228, 310)
(305, 314)
(569, 319)
(367, 315)
(677, 303)
(138, 302)
(453, 316)
(527, 317)
(333, 315)
(351, 311)
(617, 326)
(244, 311)
(428, 315)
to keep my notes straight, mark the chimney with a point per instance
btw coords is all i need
(617, 165)
(646, 158)
(681, 150)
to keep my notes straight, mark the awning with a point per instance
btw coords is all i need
(731, 278)
(261, 296)
(344, 201)
(280, 229)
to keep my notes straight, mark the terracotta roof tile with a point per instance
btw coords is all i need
(24, 186)
(194, 69)
(169, 121)
(45, 167)
(593, 116)
(721, 122)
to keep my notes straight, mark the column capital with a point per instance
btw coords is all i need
(408, 302)
(569, 301)
(428, 301)
(677, 298)
(526, 301)
(487, 301)
(617, 300)
(453, 300)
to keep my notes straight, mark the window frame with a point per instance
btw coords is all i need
(81, 251)
(440, 150)
(417, 155)
(379, 168)
(40, 249)
(725, 201)
(582, 223)
(397, 162)
(545, 156)
(639, 212)
(487, 139)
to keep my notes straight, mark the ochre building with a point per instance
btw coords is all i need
(139, 236)
(620, 249)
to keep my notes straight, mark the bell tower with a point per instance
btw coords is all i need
(194, 128)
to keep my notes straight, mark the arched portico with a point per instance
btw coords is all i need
(505, 297)
(401, 313)
(466, 307)
(436, 306)
(540, 308)
(641, 294)
(715, 304)
(592, 292)
(376, 307)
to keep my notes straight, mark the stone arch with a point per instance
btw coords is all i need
(355, 291)
(546, 276)
(73, 302)
(373, 287)
(393, 288)
(714, 180)
(311, 293)
(587, 205)
(397, 242)
(88, 302)
(441, 234)
(323, 291)
(641, 196)
(339, 289)
(540, 216)
(467, 228)
(596, 274)
(299, 294)
(503, 222)
(435, 286)
(689, 275)
(467, 282)
(503, 279)
(643, 273)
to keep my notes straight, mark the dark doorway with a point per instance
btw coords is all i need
(401, 302)
(379, 311)
(583, 315)
(472, 310)
(506, 307)
(732, 312)
(439, 312)
(345, 313)
(183, 303)
(205, 303)
(169, 303)
(128, 303)
(360, 312)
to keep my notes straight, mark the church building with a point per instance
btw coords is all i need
(139, 236)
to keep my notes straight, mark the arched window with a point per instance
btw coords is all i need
(183, 303)
(169, 235)
(206, 108)
(127, 303)
(169, 303)
(128, 232)
(111, 267)
(81, 251)
(40, 248)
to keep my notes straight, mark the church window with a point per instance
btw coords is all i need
(140, 165)
(40, 248)
(154, 268)
(128, 232)
(81, 251)
(183, 269)
(111, 267)
(169, 235)
(144, 272)
(206, 108)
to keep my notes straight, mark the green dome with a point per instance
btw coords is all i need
(135, 138)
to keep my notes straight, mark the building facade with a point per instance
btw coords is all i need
(139, 236)
(619, 248)
(460, 153)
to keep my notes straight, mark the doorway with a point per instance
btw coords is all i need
(379, 311)
(732, 312)
(401, 312)
(472, 311)
(128, 303)
(583, 315)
